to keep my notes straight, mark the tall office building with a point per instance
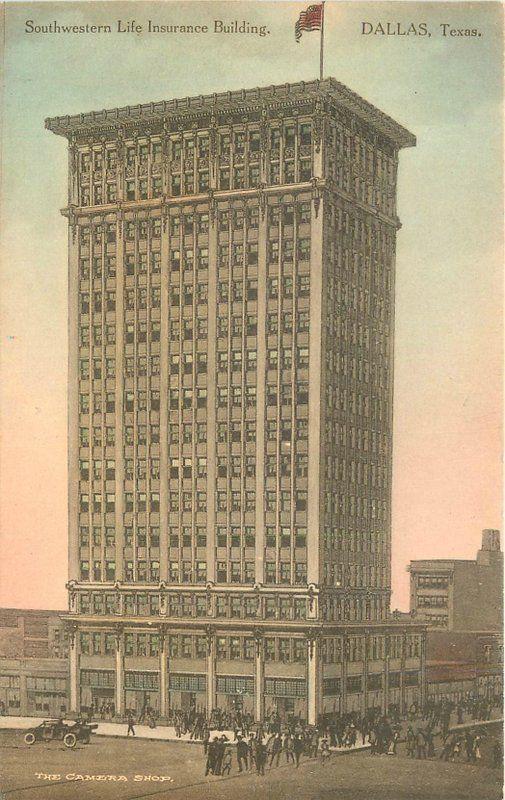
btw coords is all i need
(231, 305)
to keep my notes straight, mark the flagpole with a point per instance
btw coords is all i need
(321, 54)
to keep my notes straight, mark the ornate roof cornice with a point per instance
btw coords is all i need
(218, 107)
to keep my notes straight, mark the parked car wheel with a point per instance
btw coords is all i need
(70, 740)
(29, 738)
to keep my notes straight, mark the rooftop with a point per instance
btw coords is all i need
(244, 99)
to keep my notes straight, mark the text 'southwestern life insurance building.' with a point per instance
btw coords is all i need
(231, 279)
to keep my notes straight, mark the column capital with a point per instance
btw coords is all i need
(258, 640)
(209, 635)
(71, 628)
(118, 635)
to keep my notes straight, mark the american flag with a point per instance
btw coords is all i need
(309, 20)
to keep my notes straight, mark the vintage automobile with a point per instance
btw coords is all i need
(57, 729)
(47, 731)
(80, 731)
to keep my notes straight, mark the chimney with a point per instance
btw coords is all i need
(490, 539)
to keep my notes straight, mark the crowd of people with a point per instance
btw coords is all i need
(256, 752)
(427, 733)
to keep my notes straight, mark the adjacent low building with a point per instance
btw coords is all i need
(460, 595)
(461, 602)
(33, 663)
(464, 662)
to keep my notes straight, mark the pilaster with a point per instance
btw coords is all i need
(119, 417)
(345, 661)
(365, 671)
(164, 383)
(260, 388)
(315, 443)
(211, 393)
(163, 674)
(422, 670)
(313, 678)
(119, 699)
(385, 684)
(211, 671)
(23, 695)
(259, 678)
(74, 672)
(73, 399)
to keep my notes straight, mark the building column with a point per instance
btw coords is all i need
(74, 673)
(260, 388)
(315, 442)
(211, 393)
(163, 675)
(402, 674)
(365, 672)
(313, 678)
(422, 670)
(119, 699)
(211, 672)
(73, 443)
(259, 682)
(23, 695)
(119, 415)
(385, 679)
(164, 383)
(343, 688)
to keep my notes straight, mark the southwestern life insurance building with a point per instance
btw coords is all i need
(231, 314)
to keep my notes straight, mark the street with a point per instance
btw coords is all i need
(139, 769)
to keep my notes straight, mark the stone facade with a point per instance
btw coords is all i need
(231, 311)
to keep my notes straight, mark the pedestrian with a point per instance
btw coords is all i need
(210, 765)
(226, 763)
(218, 755)
(205, 738)
(298, 746)
(242, 753)
(260, 755)
(251, 751)
(287, 746)
(324, 752)
(411, 742)
(129, 719)
(421, 744)
(430, 743)
(275, 749)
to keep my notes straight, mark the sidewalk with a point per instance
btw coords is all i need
(167, 733)
(116, 729)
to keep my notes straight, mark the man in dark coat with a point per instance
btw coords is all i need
(211, 757)
(242, 753)
(298, 746)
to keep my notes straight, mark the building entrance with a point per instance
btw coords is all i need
(188, 701)
(140, 702)
(101, 698)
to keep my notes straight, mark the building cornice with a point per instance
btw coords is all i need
(187, 110)
(275, 626)
(319, 185)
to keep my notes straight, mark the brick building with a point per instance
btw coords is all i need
(33, 663)
(457, 594)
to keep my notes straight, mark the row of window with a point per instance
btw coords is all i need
(188, 180)
(194, 222)
(430, 601)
